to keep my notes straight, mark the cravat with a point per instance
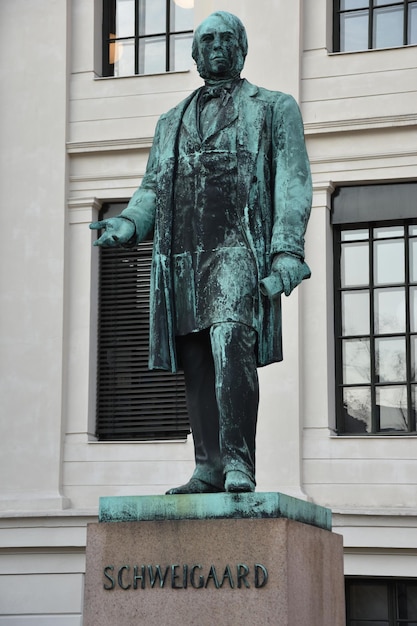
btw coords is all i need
(222, 92)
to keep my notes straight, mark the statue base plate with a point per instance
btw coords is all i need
(223, 569)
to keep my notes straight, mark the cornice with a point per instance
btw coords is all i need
(109, 145)
(342, 158)
(358, 124)
(113, 177)
(311, 129)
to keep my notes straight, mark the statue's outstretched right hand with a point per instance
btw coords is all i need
(117, 231)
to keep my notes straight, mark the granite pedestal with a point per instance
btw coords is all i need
(217, 559)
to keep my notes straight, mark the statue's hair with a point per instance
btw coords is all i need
(233, 22)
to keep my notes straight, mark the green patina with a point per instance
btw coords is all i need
(213, 506)
(227, 193)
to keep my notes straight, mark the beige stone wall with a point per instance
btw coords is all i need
(33, 195)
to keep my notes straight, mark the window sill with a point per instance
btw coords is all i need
(380, 436)
(152, 442)
(350, 52)
(158, 74)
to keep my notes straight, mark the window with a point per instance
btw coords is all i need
(376, 309)
(374, 602)
(133, 403)
(146, 36)
(365, 24)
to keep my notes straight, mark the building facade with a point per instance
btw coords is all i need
(81, 94)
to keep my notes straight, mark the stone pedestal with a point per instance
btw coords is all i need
(222, 567)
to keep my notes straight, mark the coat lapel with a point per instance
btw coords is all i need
(188, 120)
(172, 121)
(251, 111)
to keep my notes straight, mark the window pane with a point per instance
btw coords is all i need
(356, 361)
(413, 341)
(413, 260)
(357, 409)
(354, 31)
(412, 230)
(412, 24)
(152, 55)
(355, 313)
(388, 27)
(390, 360)
(180, 52)
(345, 5)
(352, 235)
(389, 262)
(407, 600)
(391, 231)
(413, 306)
(355, 265)
(392, 406)
(181, 18)
(152, 17)
(124, 57)
(389, 311)
(125, 18)
(378, 3)
(414, 402)
(368, 601)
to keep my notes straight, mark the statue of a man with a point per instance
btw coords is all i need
(228, 192)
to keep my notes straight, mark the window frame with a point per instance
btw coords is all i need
(108, 27)
(393, 599)
(372, 8)
(370, 207)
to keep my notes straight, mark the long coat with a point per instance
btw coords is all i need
(274, 200)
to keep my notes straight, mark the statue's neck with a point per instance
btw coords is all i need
(217, 81)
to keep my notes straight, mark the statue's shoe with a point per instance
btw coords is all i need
(238, 482)
(194, 485)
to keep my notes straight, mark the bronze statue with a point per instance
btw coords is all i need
(228, 192)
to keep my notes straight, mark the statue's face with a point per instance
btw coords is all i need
(218, 47)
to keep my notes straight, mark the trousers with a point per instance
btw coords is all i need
(222, 392)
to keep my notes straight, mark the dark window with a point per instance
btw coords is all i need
(132, 402)
(375, 602)
(366, 24)
(146, 36)
(375, 310)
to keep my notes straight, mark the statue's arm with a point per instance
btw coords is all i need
(291, 201)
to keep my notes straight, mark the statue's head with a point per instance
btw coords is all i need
(220, 46)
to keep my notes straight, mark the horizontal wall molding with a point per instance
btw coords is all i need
(93, 178)
(108, 145)
(374, 122)
(310, 129)
(361, 516)
(371, 156)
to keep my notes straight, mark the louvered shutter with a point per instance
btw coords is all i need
(132, 402)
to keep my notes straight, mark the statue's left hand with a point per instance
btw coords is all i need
(287, 272)
(290, 270)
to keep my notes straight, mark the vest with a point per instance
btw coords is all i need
(213, 268)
